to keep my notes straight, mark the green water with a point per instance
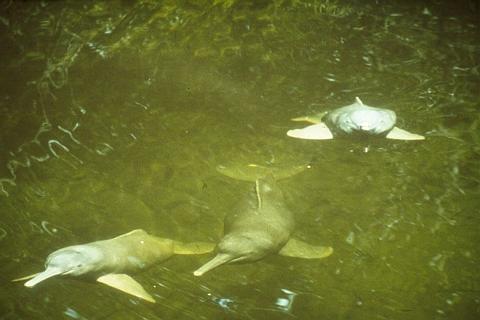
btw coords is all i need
(114, 116)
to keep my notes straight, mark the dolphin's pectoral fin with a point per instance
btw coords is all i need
(192, 247)
(300, 249)
(127, 284)
(26, 277)
(400, 134)
(317, 131)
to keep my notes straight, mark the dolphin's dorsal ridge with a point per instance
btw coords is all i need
(192, 247)
(128, 234)
(357, 100)
(299, 249)
(400, 134)
(127, 284)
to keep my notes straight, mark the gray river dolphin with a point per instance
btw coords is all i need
(356, 118)
(261, 225)
(109, 261)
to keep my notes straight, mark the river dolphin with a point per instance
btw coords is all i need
(260, 225)
(109, 261)
(356, 118)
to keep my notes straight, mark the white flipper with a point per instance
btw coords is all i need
(300, 249)
(126, 284)
(317, 131)
(400, 134)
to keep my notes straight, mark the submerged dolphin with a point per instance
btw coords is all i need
(108, 261)
(354, 118)
(261, 225)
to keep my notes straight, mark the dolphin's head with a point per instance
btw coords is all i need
(365, 119)
(237, 248)
(74, 260)
(244, 247)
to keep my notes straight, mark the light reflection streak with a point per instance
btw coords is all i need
(141, 105)
(104, 149)
(223, 302)
(285, 303)
(41, 159)
(70, 134)
(3, 233)
(69, 312)
(35, 227)
(45, 227)
(53, 142)
(13, 164)
(56, 142)
(2, 187)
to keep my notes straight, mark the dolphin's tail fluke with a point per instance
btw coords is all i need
(253, 172)
(50, 272)
(219, 259)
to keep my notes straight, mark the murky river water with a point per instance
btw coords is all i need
(115, 116)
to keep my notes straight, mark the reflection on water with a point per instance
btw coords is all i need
(116, 116)
(286, 303)
(73, 314)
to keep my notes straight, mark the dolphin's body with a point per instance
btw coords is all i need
(261, 225)
(109, 261)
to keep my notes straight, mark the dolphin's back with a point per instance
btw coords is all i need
(133, 251)
(263, 213)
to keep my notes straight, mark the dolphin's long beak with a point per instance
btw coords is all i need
(50, 272)
(219, 259)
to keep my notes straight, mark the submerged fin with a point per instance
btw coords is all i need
(300, 249)
(126, 284)
(317, 131)
(400, 134)
(316, 118)
(252, 171)
(26, 277)
(192, 247)
(217, 261)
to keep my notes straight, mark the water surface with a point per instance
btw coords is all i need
(115, 116)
